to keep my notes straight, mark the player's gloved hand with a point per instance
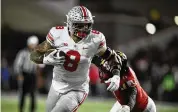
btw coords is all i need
(125, 108)
(53, 58)
(114, 83)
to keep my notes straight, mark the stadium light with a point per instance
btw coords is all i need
(150, 28)
(176, 20)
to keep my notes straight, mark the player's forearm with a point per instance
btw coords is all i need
(113, 59)
(37, 57)
(132, 97)
(97, 61)
(38, 53)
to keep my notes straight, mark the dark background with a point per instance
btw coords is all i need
(154, 57)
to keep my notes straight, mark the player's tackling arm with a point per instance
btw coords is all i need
(37, 54)
(132, 94)
(106, 53)
(114, 60)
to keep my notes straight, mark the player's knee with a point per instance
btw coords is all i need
(49, 105)
(151, 107)
(67, 104)
(116, 107)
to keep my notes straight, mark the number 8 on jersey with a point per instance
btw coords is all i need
(71, 61)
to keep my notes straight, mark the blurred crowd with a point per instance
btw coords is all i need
(156, 69)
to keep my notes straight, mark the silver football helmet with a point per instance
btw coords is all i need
(79, 21)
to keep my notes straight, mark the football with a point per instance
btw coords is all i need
(57, 54)
(62, 53)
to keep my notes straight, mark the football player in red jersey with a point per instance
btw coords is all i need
(130, 94)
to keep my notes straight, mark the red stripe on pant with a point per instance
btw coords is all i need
(84, 97)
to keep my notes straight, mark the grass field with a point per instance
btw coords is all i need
(10, 105)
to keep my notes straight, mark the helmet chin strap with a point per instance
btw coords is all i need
(74, 37)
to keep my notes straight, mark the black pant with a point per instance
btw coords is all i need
(27, 86)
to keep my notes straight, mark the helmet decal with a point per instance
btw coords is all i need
(84, 12)
(79, 21)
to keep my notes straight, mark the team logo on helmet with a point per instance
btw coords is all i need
(79, 21)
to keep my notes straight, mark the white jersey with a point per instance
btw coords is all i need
(73, 74)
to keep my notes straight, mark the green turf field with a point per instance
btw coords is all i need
(10, 105)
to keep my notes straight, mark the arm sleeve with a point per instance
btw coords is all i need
(96, 60)
(19, 62)
(132, 93)
(131, 90)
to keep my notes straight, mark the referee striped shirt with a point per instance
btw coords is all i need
(23, 63)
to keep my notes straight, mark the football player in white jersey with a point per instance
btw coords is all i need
(75, 44)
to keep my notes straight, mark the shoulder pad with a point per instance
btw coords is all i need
(95, 32)
(54, 34)
(97, 36)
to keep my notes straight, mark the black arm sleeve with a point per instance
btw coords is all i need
(132, 94)
(124, 67)
(123, 58)
(97, 60)
(111, 62)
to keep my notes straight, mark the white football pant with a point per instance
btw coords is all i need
(68, 102)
